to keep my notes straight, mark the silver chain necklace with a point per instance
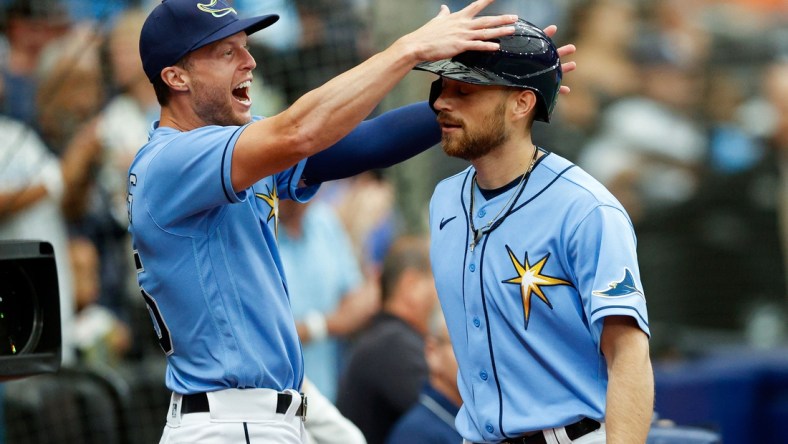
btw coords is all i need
(481, 231)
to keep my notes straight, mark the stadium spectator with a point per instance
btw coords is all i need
(70, 90)
(29, 25)
(326, 425)
(431, 420)
(365, 205)
(608, 73)
(386, 367)
(328, 295)
(125, 120)
(101, 338)
(649, 146)
(328, 42)
(32, 184)
(121, 128)
(775, 90)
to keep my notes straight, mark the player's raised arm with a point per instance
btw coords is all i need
(392, 137)
(323, 116)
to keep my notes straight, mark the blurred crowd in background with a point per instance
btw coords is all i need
(680, 107)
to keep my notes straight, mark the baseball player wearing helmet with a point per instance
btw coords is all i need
(534, 262)
(202, 202)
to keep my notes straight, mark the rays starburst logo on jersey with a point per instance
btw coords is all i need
(272, 199)
(625, 287)
(216, 12)
(531, 280)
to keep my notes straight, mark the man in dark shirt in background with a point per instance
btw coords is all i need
(431, 420)
(386, 368)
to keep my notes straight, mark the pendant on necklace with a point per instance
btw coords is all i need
(477, 235)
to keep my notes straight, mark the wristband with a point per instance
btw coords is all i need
(316, 325)
(51, 178)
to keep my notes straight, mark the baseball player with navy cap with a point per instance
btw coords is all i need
(203, 196)
(534, 262)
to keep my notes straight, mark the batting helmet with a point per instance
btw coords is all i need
(527, 59)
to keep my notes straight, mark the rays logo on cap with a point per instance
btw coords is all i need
(625, 287)
(216, 12)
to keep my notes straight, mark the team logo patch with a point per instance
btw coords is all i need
(272, 199)
(531, 280)
(216, 12)
(625, 287)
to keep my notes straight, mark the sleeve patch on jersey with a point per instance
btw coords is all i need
(625, 287)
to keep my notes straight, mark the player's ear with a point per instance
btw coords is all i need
(176, 78)
(524, 103)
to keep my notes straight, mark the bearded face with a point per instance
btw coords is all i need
(471, 140)
(213, 105)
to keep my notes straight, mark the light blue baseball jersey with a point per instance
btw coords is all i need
(208, 264)
(322, 268)
(525, 308)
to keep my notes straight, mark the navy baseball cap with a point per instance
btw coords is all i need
(177, 27)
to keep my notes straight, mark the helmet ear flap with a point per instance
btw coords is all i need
(435, 91)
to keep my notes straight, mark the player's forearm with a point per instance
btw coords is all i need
(630, 401)
(81, 157)
(630, 393)
(11, 203)
(328, 113)
(377, 143)
(324, 115)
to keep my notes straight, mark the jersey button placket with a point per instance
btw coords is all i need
(483, 375)
(476, 322)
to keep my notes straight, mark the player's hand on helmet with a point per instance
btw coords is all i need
(563, 51)
(449, 34)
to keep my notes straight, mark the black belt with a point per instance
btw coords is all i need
(198, 403)
(573, 431)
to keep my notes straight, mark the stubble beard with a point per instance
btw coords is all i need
(473, 144)
(212, 106)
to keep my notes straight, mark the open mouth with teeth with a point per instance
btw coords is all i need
(241, 92)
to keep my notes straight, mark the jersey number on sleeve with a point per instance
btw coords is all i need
(129, 196)
(162, 331)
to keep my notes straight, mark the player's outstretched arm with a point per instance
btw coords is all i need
(391, 138)
(323, 116)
